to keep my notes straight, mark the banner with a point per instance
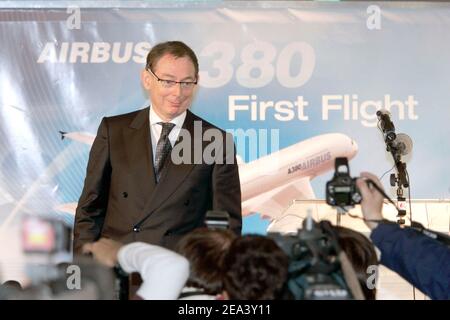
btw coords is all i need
(290, 71)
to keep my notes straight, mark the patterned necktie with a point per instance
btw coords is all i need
(163, 148)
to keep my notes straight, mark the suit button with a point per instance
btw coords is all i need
(125, 194)
(186, 203)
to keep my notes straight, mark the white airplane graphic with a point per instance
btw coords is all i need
(271, 183)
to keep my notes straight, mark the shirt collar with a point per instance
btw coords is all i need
(177, 121)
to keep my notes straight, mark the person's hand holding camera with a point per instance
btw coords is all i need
(104, 251)
(372, 200)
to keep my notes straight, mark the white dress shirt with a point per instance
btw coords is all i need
(155, 129)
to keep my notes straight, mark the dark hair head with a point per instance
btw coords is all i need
(361, 253)
(177, 49)
(205, 250)
(255, 268)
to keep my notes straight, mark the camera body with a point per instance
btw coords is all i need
(50, 268)
(315, 271)
(341, 190)
(43, 235)
(46, 243)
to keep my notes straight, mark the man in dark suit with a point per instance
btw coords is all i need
(136, 189)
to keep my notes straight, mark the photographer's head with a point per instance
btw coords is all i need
(205, 249)
(255, 268)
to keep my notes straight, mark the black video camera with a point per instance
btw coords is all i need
(44, 235)
(46, 242)
(315, 271)
(341, 191)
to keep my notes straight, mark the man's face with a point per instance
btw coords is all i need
(170, 102)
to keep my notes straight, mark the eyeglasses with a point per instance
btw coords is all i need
(171, 83)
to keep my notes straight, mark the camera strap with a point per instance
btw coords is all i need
(350, 277)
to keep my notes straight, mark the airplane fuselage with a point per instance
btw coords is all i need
(308, 158)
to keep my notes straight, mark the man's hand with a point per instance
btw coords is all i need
(372, 202)
(104, 251)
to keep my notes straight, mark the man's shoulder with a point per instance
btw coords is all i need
(129, 115)
(127, 118)
(205, 124)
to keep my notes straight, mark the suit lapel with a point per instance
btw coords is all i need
(139, 154)
(173, 175)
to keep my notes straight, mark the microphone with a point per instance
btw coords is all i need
(403, 144)
(386, 125)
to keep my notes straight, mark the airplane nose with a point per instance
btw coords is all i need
(354, 146)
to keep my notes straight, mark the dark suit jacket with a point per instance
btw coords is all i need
(122, 201)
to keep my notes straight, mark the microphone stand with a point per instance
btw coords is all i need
(400, 180)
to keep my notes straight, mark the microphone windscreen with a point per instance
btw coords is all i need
(404, 143)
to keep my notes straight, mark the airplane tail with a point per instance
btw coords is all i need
(63, 134)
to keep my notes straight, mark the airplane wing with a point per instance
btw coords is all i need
(67, 208)
(272, 203)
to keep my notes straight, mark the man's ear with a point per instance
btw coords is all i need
(145, 79)
(197, 86)
(198, 79)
